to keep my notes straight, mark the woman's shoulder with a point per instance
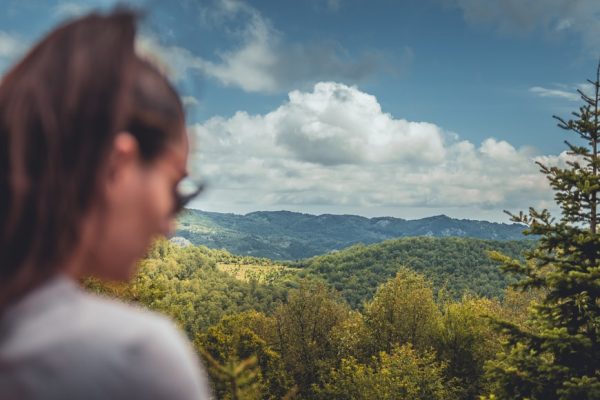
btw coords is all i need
(159, 359)
(121, 321)
(66, 312)
(163, 361)
(103, 340)
(133, 328)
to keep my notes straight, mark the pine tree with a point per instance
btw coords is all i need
(558, 355)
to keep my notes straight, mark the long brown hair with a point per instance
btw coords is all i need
(60, 109)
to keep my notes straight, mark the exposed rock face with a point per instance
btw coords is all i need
(180, 241)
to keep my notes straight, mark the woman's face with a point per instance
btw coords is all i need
(139, 206)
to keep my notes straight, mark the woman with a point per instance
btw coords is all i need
(92, 150)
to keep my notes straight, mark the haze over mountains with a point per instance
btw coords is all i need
(286, 235)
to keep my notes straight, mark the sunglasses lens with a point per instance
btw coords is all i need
(189, 187)
(187, 190)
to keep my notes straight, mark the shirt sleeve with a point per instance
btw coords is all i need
(166, 366)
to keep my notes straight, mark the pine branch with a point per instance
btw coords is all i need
(586, 98)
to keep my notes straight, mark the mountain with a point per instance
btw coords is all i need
(286, 235)
(459, 265)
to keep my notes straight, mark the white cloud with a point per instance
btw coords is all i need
(334, 146)
(70, 9)
(176, 61)
(581, 17)
(190, 101)
(555, 93)
(262, 61)
(248, 66)
(564, 91)
(11, 47)
(337, 124)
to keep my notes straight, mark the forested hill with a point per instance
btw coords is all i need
(286, 235)
(460, 265)
(235, 307)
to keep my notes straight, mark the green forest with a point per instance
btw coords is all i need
(409, 318)
(458, 265)
(280, 330)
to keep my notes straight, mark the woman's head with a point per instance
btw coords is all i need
(92, 144)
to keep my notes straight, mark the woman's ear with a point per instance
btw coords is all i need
(124, 154)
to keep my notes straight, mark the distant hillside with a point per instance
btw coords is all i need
(456, 265)
(460, 265)
(286, 235)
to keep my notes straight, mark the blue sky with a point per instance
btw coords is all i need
(402, 108)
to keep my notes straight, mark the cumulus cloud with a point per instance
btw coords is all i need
(262, 60)
(580, 17)
(335, 146)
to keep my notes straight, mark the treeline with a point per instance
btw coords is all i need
(459, 265)
(298, 337)
(185, 283)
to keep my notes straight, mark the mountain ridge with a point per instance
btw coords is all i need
(288, 235)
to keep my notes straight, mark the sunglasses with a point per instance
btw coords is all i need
(187, 190)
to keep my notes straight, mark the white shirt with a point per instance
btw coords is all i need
(59, 342)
